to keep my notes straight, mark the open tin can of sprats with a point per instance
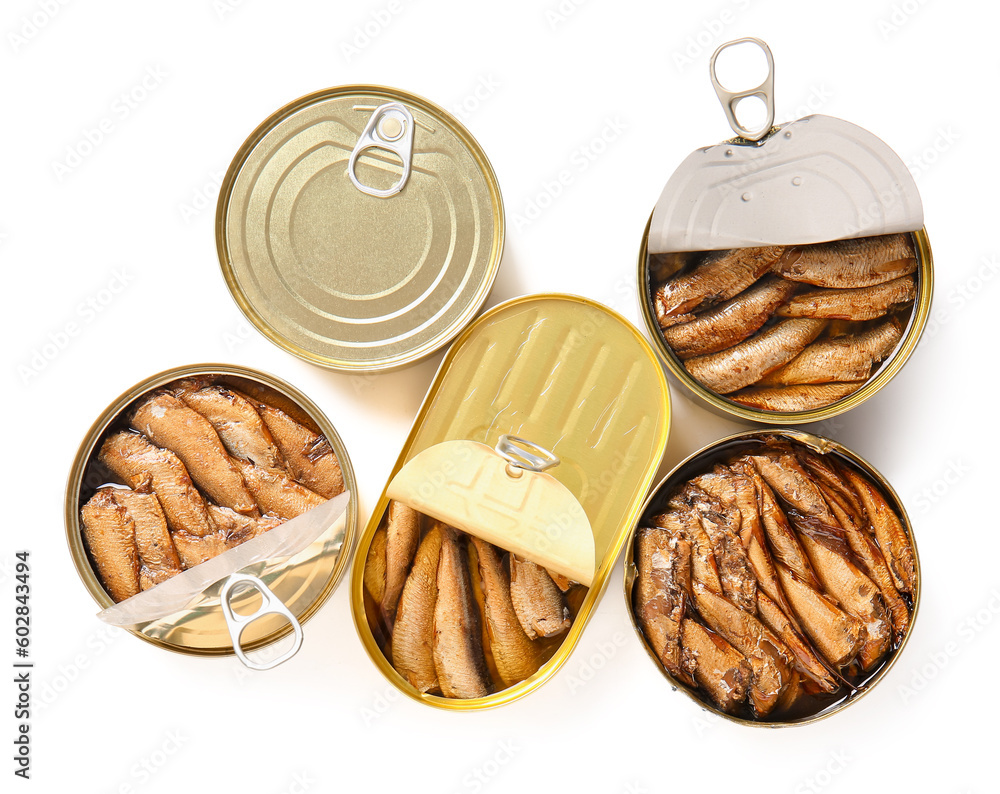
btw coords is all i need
(525, 469)
(210, 510)
(773, 577)
(360, 228)
(785, 275)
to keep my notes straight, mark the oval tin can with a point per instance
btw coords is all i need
(303, 582)
(701, 461)
(572, 376)
(360, 228)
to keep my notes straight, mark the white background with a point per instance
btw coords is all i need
(114, 712)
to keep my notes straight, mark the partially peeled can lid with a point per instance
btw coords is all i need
(813, 180)
(360, 228)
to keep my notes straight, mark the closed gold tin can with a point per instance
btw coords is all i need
(360, 228)
(702, 461)
(303, 582)
(575, 378)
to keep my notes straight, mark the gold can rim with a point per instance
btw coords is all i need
(820, 445)
(263, 325)
(601, 578)
(83, 455)
(720, 405)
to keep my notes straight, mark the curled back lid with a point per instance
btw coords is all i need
(809, 181)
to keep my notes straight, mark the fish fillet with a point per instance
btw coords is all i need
(704, 567)
(413, 632)
(194, 550)
(807, 662)
(717, 666)
(402, 536)
(109, 535)
(867, 303)
(730, 323)
(309, 455)
(237, 528)
(749, 361)
(458, 651)
(538, 603)
(259, 394)
(157, 554)
(142, 466)
(374, 577)
(169, 423)
(787, 399)
(276, 493)
(857, 263)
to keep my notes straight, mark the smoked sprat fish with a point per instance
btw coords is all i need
(866, 303)
(856, 263)
(538, 603)
(413, 632)
(110, 538)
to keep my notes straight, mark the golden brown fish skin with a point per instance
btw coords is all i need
(477, 590)
(837, 635)
(157, 554)
(564, 583)
(730, 323)
(858, 596)
(829, 475)
(789, 399)
(237, 528)
(889, 532)
(662, 585)
(194, 550)
(867, 303)
(413, 633)
(722, 524)
(719, 277)
(458, 651)
(109, 534)
(782, 471)
(142, 466)
(276, 493)
(746, 363)
(259, 394)
(704, 568)
(721, 670)
(842, 359)
(401, 540)
(169, 423)
(374, 578)
(515, 655)
(309, 455)
(856, 263)
(806, 661)
(769, 658)
(240, 428)
(784, 543)
(538, 603)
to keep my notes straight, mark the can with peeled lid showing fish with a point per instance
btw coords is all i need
(526, 466)
(210, 510)
(360, 228)
(785, 275)
(773, 577)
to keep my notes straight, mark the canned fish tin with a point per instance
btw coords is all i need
(773, 577)
(283, 441)
(786, 275)
(537, 440)
(360, 228)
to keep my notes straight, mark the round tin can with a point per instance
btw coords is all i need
(360, 228)
(702, 461)
(720, 405)
(572, 376)
(303, 582)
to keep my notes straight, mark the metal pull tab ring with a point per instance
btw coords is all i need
(524, 455)
(390, 127)
(731, 99)
(271, 606)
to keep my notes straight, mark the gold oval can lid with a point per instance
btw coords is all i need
(360, 228)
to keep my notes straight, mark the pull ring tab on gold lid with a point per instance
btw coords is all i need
(522, 454)
(730, 99)
(238, 583)
(390, 127)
